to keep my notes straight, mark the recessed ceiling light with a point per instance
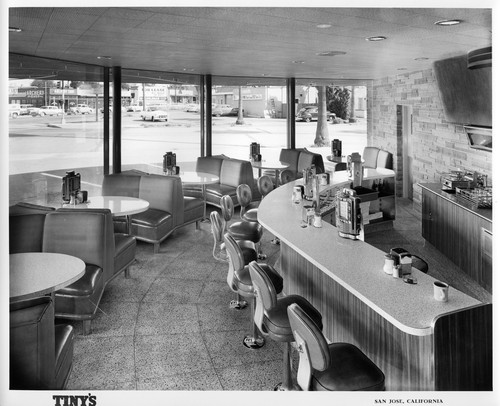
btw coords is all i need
(298, 61)
(448, 22)
(188, 69)
(422, 58)
(331, 53)
(376, 38)
(104, 57)
(14, 29)
(324, 25)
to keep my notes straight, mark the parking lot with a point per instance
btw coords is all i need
(41, 149)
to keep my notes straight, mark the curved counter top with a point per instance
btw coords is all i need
(357, 266)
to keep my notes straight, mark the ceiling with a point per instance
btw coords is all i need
(256, 42)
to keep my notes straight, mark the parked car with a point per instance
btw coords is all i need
(311, 114)
(49, 111)
(81, 109)
(220, 109)
(193, 108)
(134, 107)
(154, 114)
(233, 112)
(25, 109)
(14, 110)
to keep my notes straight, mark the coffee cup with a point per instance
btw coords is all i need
(441, 291)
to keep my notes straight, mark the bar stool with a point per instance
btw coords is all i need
(272, 319)
(249, 208)
(286, 176)
(265, 185)
(241, 230)
(220, 254)
(330, 367)
(239, 280)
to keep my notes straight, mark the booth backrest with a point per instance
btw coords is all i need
(86, 234)
(26, 222)
(234, 172)
(384, 159)
(308, 159)
(26, 232)
(121, 185)
(370, 155)
(374, 157)
(300, 159)
(32, 344)
(164, 193)
(210, 164)
(291, 156)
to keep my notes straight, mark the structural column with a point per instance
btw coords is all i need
(290, 85)
(117, 119)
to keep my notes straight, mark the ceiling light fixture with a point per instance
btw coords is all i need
(324, 25)
(14, 29)
(422, 58)
(108, 58)
(402, 68)
(331, 53)
(298, 61)
(448, 23)
(376, 38)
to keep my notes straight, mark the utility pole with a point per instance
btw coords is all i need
(63, 119)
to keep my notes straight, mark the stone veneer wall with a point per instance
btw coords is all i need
(438, 146)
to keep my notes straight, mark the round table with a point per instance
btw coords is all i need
(35, 274)
(276, 165)
(202, 179)
(118, 205)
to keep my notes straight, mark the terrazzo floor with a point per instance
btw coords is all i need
(169, 327)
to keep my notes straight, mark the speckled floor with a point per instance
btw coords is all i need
(169, 327)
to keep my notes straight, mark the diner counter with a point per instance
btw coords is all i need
(357, 266)
(413, 338)
(436, 188)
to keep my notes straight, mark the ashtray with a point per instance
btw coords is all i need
(410, 280)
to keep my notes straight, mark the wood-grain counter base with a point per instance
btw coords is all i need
(456, 356)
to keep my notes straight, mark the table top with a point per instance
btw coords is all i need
(358, 266)
(269, 164)
(34, 274)
(198, 178)
(119, 205)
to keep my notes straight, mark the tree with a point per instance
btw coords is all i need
(75, 84)
(338, 101)
(322, 137)
(240, 120)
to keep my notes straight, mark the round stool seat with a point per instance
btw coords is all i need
(249, 254)
(246, 230)
(277, 323)
(350, 370)
(244, 284)
(251, 215)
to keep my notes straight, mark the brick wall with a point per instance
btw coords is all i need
(438, 146)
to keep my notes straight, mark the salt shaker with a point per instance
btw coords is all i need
(388, 264)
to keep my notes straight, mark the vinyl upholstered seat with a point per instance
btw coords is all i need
(41, 353)
(239, 280)
(271, 316)
(330, 367)
(220, 254)
(240, 230)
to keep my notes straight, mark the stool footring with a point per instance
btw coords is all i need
(253, 342)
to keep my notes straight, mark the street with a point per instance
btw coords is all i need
(41, 149)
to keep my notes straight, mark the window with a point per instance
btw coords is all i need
(263, 118)
(49, 138)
